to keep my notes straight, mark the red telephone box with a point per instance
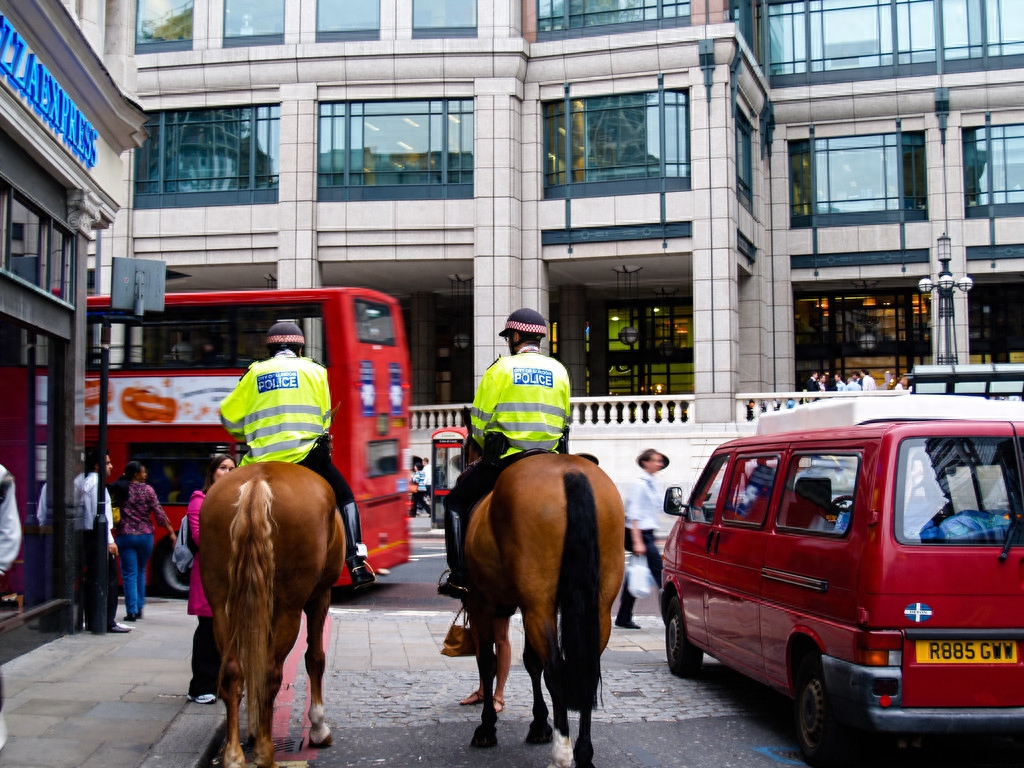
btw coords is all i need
(446, 464)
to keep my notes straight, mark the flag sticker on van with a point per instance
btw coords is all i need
(918, 612)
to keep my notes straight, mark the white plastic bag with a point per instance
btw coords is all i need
(638, 577)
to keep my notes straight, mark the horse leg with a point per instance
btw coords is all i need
(584, 751)
(231, 694)
(285, 630)
(486, 734)
(561, 748)
(540, 731)
(316, 616)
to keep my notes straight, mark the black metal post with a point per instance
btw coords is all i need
(98, 588)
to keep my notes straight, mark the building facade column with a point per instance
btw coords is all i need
(422, 326)
(572, 332)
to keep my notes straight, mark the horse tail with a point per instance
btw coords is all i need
(249, 608)
(577, 663)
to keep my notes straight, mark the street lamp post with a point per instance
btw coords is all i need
(945, 285)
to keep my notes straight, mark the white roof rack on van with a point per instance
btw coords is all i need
(835, 412)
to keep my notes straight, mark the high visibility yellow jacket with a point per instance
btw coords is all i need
(526, 398)
(279, 407)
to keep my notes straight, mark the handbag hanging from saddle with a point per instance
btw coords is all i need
(459, 640)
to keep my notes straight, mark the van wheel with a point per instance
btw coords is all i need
(166, 578)
(684, 658)
(824, 741)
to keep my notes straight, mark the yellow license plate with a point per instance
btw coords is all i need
(966, 651)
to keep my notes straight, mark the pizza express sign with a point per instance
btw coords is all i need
(30, 79)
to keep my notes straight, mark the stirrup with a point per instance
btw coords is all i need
(449, 589)
(362, 575)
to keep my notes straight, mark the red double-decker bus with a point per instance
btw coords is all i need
(169, 372)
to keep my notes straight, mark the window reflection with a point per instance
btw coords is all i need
(346, 16)
(616, 138)
(551, 14)
(253, 18)
(993, 165)
(159, 21)
(209, 150)
(441, 14)
(412, 144)
(35, 247)
(856, 175)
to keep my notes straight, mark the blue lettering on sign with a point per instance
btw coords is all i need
(268, 382)
(29, 78)
(537, 377)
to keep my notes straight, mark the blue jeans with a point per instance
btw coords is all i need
(135, 550)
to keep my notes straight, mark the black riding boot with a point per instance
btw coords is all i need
(355, 550)
(455, 544)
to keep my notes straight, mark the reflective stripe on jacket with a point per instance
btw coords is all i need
(526, 398)
(280, 407)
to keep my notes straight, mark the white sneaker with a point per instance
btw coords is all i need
(203, 698)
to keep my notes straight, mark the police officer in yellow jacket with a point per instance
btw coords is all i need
(522, 404)
(282, 409)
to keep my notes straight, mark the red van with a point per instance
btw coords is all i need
(864, 556)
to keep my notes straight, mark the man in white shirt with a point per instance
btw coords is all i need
(643, 503)
(10, 544)
(867, 383)
(88, 500)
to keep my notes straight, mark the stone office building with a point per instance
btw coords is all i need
(703, 197)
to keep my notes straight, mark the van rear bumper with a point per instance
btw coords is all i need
(850, 688)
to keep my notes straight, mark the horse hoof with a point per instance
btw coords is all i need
(484, 737)
(539, 734)
(326, 742)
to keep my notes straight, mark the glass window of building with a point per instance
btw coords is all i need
(621, 144)
(163, 25)
(253, 22)
(994, 170)
(845, 332)
(449, 18)
(345, 20)
(35, 247)
(660, 359)
(396, 150)
(203, 157)
(744, 160)
(580, 14)
(858, 179)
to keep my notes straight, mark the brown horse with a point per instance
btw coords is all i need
(548, 540)
(272, 546)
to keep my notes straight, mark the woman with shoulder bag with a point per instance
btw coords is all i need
(205, 658)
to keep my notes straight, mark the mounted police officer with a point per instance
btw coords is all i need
(282, 409)
(522, 405)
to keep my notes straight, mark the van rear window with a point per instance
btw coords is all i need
(956, 490)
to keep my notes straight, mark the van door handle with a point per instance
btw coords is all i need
(711, 546)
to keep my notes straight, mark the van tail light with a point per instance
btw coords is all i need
(880, 649)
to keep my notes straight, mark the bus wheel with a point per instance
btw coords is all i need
(684, 658)
(824, 741)
(167, 579)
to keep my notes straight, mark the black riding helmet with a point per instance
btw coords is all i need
(285, 334)
(529, 322)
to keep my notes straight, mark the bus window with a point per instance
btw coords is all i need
(373, 323)
(382, 458)
(175, 469)
(225, 336)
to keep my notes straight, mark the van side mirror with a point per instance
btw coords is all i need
(674, 504)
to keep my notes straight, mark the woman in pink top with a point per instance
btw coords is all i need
(135, 536)
(205, 659)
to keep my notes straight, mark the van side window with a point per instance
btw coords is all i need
(820, 493)
(750, 490)
(957, 490)
(705, 494)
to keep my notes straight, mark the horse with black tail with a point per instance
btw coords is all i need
(548, 540)
(272, 546)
